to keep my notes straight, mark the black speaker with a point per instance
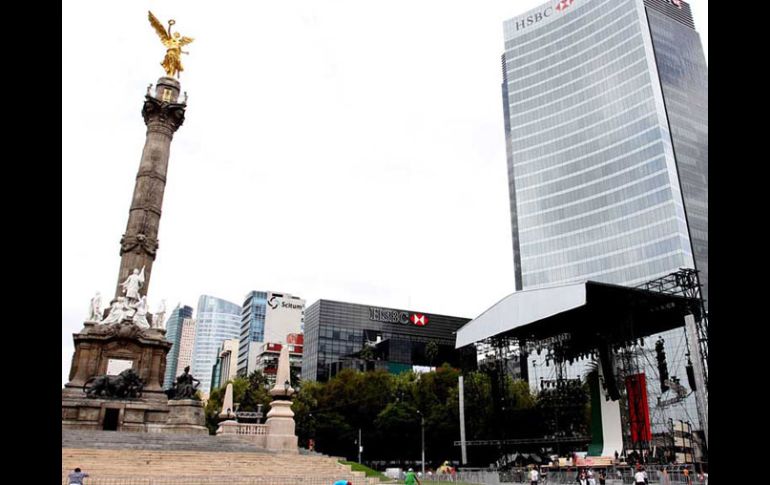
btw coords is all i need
(691, 376)
(660, 355)
(607, 361)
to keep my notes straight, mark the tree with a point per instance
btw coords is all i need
(247, 392)
(431, 352)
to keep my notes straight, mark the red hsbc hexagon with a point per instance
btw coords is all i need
(563, 4)
(419, 319)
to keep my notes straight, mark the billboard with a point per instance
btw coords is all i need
(284, 314)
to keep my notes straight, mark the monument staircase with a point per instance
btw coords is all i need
(123, 458)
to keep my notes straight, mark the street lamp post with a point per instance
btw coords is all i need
(673, 441)
(422, 440)
(360, 447)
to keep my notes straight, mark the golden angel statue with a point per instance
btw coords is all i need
(172, 63)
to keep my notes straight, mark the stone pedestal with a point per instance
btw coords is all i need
(186, 416)
(101, 347)
(97, 345)
(280, 428)
(138, 415)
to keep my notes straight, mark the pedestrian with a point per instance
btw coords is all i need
(686, 473)
(664, 478)
(534, 476)
(411, 478)
(582, 478)
(76, 477)
(602, 477)
(590, 477)
(640, 477)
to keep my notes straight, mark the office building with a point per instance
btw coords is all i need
(217, 320)
(606, 122)
(348, 335)
(266, 316)
(173, 334)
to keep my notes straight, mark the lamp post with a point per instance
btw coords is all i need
(673, 441)
(360, 446)
(422, 439)
(259, 413)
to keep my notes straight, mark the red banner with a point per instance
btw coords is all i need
(638, 409)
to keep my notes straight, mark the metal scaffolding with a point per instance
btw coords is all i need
(686, 282)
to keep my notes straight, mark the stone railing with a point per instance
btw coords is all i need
(247, 428)
(253, 432)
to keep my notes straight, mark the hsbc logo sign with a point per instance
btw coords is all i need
(536, 17)
(419, 319)
(396, 316)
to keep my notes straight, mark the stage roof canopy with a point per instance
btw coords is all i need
(588, 311)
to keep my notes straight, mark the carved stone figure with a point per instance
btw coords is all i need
(140, 317)
(133, 284)
(118, 311)
(160, 314)
(96, 308)
(127, 384)
(184, 387)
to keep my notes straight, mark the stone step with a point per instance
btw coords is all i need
(122, 455)
(157, 441)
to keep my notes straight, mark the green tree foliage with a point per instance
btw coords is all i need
(388, 410)
(247, 392)
(431, 352)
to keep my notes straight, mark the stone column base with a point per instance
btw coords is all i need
(185, 416)
(280, 428)
(79, 412)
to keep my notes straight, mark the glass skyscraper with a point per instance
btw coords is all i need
(252, 327)
(217, 320)
(173, 335)
(606, 123)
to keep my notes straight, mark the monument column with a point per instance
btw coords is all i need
(163, 114)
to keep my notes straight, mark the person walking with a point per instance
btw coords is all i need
(590, 477)
(411, 478)
(640, 477)
(76, 477)
(664, 478)
(582, 479)
(534, 476)
(602, 477)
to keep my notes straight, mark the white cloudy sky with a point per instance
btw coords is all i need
(348, 150)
